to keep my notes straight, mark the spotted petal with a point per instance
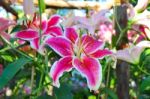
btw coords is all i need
(54, 20)
(101, 53)
(60, 45)
(90, 45)
(71, 34)
(59, 67)
(91, 69)
(26, 34)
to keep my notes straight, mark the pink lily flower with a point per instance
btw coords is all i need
(81, 53)
(138, 33)
(132, 55)
(105, 32)
(92, 23)
(140, 26)
(32, 34)
(28, 7)
(4, 24)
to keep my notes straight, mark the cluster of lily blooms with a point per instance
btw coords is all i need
(78, 49)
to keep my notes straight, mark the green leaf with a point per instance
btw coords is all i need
(145, 84)
(11, 69)
(110, 93)
(7, 58)
(17, 28)
(41, 6)
(64, 92)
(144, 59)
(46, 97)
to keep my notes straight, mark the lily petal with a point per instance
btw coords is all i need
(90, 45)
(5, 36)
(41, 49)
(82, 20)
(44, 25)
(54, 20)
(144, 44)
(26, 34)
(124, 55)
(100, 16)
(54, 31)
(132, 55)
(101, 53)
(60, 45)
(141, 5)
(71, 34)
(59, 67)
(28, 7)
(5, 23)
(35, 43)
(91, 69)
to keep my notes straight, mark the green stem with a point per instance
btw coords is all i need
(40, 84)
(123, 31)
(40, 12)
(18, 50)
(142, 70)
(17, 87)
(32, 77)
(46, 61)
(107, 80)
